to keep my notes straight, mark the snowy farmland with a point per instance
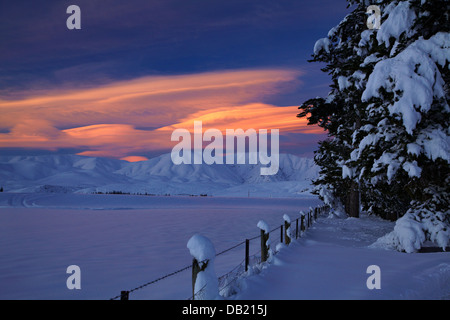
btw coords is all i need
(121, 242)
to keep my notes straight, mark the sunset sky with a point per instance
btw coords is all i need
(139, 69)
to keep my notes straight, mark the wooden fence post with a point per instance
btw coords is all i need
(264, 246)
(287, 237)
(264, 227)
(307, 220)
(204, 278)
(303, 223)
(195, 271)
(287, 229)
(124, 295)
(281, 234)
(296, 228)
(247, 252)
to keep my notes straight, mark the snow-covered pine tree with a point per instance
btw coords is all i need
(404, 149)
(340, 113)
(387, 116)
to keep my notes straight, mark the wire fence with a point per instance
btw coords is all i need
(252, 263)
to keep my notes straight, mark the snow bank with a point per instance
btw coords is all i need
(407, 236)
(411, 231)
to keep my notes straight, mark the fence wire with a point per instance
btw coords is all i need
(228, 283)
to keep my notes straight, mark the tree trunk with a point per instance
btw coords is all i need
(352, 206)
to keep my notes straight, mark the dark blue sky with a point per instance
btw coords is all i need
(126, 40)
(129, 39)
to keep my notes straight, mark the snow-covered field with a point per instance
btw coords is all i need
(122, 241)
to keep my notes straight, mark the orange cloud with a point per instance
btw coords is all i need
(134, 158)
(128, 118)
(148, 101)
(255, 116)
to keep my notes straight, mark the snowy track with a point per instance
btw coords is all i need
(331, 262)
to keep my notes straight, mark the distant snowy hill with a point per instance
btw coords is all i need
(71, 173)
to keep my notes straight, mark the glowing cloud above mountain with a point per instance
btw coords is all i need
(134, 117)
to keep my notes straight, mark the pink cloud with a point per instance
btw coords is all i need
(105, 120)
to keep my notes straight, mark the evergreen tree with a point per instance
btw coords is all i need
(405, 149)
(387, 116)
(341, 111)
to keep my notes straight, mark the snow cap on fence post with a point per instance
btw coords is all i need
(263, 226)
(205, 278)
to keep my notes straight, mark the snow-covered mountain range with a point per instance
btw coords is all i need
(72, 173)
